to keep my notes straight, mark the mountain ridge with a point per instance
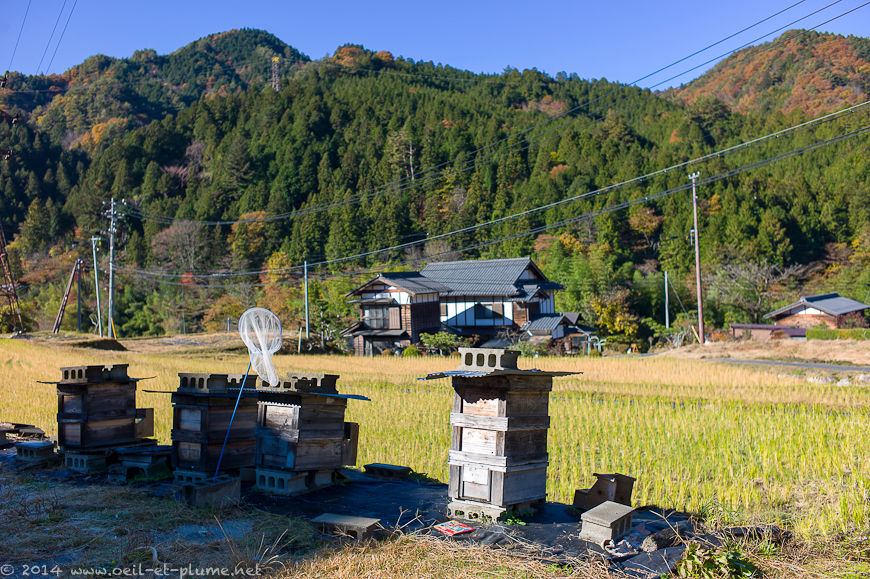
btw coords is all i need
(811, 71)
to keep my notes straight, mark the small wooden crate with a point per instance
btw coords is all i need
(201, 411)
(96, 406)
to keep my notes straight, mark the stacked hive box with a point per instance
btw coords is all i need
(96, 407)
(201, 411)
(498, 454)
(302, 438)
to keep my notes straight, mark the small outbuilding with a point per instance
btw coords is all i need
(832, 310)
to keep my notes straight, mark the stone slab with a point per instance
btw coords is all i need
(390, 471)
(356, 527)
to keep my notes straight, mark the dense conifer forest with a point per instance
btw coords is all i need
(229, 186)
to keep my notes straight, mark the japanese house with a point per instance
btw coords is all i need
(832, 310)
(470, 298)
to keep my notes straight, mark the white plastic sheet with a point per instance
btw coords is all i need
(260, 330)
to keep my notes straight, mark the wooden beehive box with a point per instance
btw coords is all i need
(498, 453)
(96, 407)
(301, 427)
(201, 411)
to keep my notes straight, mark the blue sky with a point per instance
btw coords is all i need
(620, 41)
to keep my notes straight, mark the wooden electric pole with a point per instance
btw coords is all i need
(694, 176)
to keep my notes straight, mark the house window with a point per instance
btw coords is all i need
(490, 310)
(376, 317)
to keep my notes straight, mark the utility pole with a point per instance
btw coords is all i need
(411, 157)
(94, 241)
(81, 266)
(667, 313)
(275, 84)
(112, 230)
(8, 288)
(307, 329)
(694, 176)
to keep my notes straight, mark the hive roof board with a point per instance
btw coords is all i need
(484, 362)
(833, 304)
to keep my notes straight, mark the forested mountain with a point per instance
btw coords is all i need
(363, 151)
(811, 71)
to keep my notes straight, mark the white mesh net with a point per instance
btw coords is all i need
(260, 330)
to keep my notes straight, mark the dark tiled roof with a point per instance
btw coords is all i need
(487, 277)
(414, 282)
(545, 323)
(410, 281)
(832, 303)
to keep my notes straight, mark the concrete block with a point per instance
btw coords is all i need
(34, 450)
(608, 521)
(85, 463)
(487, 512)
(182, 476)
(223, 492)
(345, 525)
(390, 471)
(280, 482)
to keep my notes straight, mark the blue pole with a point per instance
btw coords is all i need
(232, 417)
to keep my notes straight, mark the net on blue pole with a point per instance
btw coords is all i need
(260, 330)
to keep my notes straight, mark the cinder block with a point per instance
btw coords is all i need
(34, 450)
(85, 463)
(345, 525)
(223, 492)
(183, 476)
(608, 521)
(487, 512)
(280, 482)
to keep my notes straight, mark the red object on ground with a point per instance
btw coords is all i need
(451, 528)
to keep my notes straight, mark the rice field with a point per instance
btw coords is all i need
(739, 444)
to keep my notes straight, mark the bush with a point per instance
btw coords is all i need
(841, 334)
(386, 352)
(412, 351)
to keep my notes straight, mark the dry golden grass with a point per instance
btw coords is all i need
(426, 557)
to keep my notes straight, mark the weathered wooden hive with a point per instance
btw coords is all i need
(96, 407)
(498, 453)
(302, 438)
(201, 410)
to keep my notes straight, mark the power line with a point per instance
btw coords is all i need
(62, 32)
(50, 36)
(151, 276)
(20, 30)
(634, 180)
(404, 182)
